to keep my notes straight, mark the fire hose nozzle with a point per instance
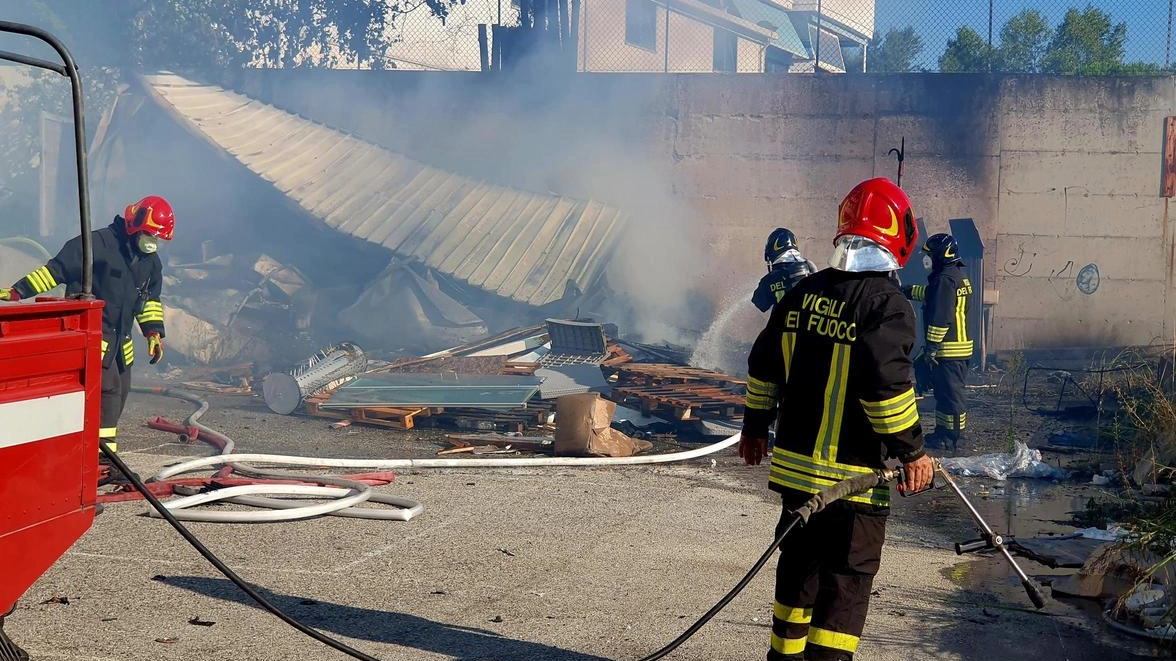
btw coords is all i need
(1034, 591)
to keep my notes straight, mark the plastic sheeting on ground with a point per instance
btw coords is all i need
(1023, 462)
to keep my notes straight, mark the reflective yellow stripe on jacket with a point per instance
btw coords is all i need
(811, 475)
(41, 280)
(761, 394)
(894, 415)
(961, 346)
(152, 312)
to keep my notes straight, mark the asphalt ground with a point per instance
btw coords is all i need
(504, 564)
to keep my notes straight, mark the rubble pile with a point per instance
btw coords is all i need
(230, 309)
(528, 383)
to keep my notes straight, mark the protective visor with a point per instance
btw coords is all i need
(858, 254)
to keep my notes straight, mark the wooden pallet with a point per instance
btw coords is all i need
(686, 400)
(383, 416)
(616, 356)
(654, 373)
(490, 420)
(518, 368)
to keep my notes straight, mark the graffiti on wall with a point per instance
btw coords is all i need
(1066, 280)
(1016, 266)
(1088, 279)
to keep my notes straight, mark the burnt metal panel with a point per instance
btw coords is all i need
(575, 342)
(519, 245)
(396, 389)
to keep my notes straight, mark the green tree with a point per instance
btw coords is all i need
(967, 52)
(895, 52)
(1024, 41)
(202, 38)
(1086, 43)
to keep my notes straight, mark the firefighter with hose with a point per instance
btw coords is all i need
(786, 267)
(128, 278)
(832, 370)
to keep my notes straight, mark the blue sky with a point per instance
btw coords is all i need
(937, 20)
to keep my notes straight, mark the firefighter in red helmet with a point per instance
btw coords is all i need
(832, 370)
(128, 277)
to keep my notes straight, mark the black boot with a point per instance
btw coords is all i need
(8, 649)
(937, 440)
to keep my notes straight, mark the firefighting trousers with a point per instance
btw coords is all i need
(116, 385)
(823, 582)
(951, 403)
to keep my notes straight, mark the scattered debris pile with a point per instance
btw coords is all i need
(514, 383)
(226, 309)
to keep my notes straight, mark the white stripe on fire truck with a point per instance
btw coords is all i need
(31, 420)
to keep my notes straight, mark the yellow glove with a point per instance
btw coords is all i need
(9, 294)
(155, 347)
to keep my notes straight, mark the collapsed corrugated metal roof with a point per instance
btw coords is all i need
(516, 244)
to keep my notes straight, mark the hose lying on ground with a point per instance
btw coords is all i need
(293, 512)
(347, 494)
(222, 567)
(801, 515)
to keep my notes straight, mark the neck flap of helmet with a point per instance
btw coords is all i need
(790, 255)
(857, 254)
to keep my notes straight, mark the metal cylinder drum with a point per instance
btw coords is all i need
(329, 368)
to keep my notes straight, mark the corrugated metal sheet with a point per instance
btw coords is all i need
(516, 244)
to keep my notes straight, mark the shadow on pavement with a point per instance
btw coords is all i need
(462, 643)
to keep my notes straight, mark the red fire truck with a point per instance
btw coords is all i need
(50, 383)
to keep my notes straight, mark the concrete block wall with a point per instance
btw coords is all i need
(1080, 170)
(1062, 175)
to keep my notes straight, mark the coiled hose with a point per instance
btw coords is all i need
(346, 493)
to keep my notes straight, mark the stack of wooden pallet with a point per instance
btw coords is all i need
(687, 392)
(383, 416)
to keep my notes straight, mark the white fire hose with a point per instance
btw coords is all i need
(347, 494)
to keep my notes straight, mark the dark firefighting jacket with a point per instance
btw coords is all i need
(946, 301)
(833, 370)
(778, 281)
(128, 282)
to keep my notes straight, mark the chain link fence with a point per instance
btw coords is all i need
(1071, 37)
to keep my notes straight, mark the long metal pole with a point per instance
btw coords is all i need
(988, 56)
(1031, 587)
(817, 62)
(666, 66)
(79, 117)
(1168, 45)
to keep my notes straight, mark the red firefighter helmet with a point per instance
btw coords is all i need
(880, 211)
(152, 215)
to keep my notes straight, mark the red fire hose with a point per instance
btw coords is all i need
(190, 433)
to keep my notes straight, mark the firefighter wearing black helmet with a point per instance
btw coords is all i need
(786, 267)
(946, 300)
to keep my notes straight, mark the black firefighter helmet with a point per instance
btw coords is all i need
(943, 250)
(780, 241)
